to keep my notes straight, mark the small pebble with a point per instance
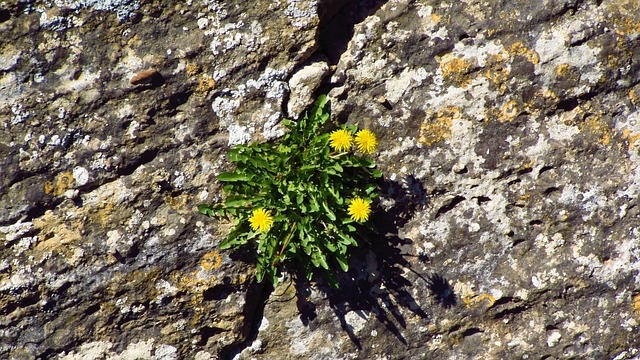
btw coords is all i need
(145, 77)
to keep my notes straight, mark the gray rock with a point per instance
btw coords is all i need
(508, 220)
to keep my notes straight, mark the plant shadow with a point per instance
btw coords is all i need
(377, 278)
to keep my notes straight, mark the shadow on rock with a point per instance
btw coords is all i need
(376, 281)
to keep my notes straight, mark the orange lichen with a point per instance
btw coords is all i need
(61, 184)
(519, 49)
(211, 260)
(474, 300)
(548, 94)
(635, 99)
(103, 214)
(626, 25)
(456, 69)
(636, 304)
(56, 231)
(508, 111)
(179, 203)
(193, 69)
(630, 137)
(523, 199)
(497, 72)
(205, 84)
(562, 69)
(438, 129)
(598, 127)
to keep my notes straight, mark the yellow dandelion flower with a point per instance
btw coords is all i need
(366, 141)
(261, 220)
(359, 209)
(340, 140)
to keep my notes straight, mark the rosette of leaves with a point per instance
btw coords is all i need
(304, 188)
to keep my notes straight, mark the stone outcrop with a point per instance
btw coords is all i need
(508, 219)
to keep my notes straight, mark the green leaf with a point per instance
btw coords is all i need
(347, 239)
(235, 155)
(206, 209)
(315, 207)
(323, 262)
(376, 173)
(331, 247)
(329, 213)
(233, 176)
(344, 265)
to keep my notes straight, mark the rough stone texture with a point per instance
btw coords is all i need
(509, 223)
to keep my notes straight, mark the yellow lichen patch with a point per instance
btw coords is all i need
(635, 98)
(179, 203)
(102, 214)
(497, 72)
(626, 25)
(562, 69)
(548, 94)
(55, 231)
(508, 111)
(523, 199)
(436, 18)
(205, 84)
(598, 127)
(211, 260)
(476, 300)
(456, 69)
(519, 49)
(193, 69)
(195, 283)
(61, 184)
(636, 304)
(630, 137)
(438, 129)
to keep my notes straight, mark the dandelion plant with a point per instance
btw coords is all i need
(300, 201)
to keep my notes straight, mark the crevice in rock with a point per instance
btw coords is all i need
(218, 292)
(5, 15)
(568, 9)
(207, 332)
(337, 21)
(511, 311)
(256, 299)
(517, 242)
(482, 199)
(471, 331)
(449, 205)
(144, 158)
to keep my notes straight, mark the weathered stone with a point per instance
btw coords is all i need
(508, 219)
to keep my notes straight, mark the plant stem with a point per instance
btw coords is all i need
(337, 155)
(286, 242)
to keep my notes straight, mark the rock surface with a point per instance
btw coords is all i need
(508, 137)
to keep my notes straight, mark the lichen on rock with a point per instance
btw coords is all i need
(507, 137)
